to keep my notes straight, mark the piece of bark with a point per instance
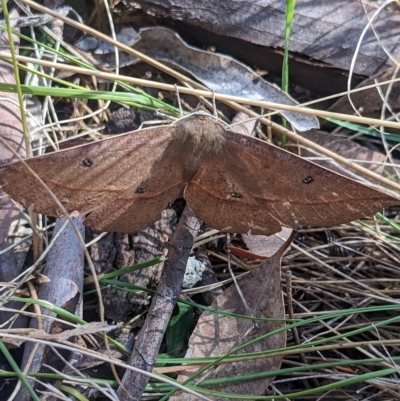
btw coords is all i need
(331, 34)
(122, 250)
(64, 269)
(147, 345)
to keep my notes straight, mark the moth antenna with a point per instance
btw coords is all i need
(179, 101)
(166, 117)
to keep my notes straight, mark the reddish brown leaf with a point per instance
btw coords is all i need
(245, 254)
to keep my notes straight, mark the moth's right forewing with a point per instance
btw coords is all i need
(255, 187)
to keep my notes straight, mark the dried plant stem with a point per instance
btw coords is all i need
(288, 278)
(295, 333)
(149, 341)
(200, 90)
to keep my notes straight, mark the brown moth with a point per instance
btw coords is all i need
(233, 182)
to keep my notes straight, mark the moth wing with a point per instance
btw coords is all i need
(87, 176)
(141, 205)
(256, 187)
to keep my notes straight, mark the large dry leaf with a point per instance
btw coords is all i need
(216, 335)
(221, 73)
(233, 182)
(325, 31)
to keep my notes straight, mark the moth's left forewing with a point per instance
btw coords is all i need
(87, 177)
(141, 204)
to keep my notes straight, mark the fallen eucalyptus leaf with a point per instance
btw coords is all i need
(222, 74)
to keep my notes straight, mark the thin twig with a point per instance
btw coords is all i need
(296, 338)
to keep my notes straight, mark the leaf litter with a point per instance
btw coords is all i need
(367, 261)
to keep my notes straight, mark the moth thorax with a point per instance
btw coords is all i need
(202, 134)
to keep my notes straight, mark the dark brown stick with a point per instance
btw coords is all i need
(149, 341)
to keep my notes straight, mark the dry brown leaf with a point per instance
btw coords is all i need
(216, 335)
(265, 246)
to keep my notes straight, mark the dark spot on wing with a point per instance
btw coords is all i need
(86, 162)
(308, 180)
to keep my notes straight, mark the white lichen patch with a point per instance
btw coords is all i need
(194, 272)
